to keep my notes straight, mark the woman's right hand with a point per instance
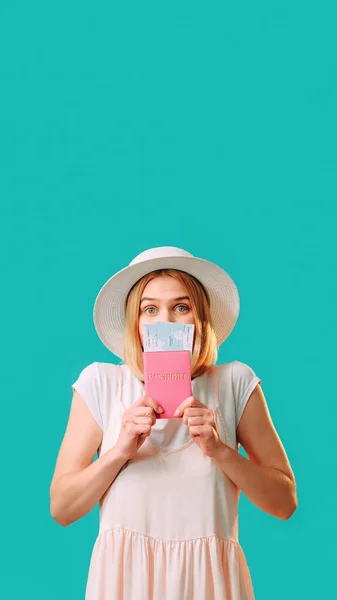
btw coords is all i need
(136, 426)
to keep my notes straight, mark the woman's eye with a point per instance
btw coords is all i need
(185, 308)
(150, 308)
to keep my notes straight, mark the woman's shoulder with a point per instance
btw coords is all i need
(120, 373)
(235, 376)
(96, 370)
(97, 374)
(219, 370)
(105, 368)
(234, 368)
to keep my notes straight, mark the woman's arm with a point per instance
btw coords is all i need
(74, 494)
(266, 478)
(78, 483)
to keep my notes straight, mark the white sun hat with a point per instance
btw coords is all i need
(109, 306)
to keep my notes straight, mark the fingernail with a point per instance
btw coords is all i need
(160, 409)
(177, 412)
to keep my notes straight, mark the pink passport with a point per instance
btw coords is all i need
(167, 379)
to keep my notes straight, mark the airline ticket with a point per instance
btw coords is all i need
(163, 336)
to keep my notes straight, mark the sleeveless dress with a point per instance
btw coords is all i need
(168, 524)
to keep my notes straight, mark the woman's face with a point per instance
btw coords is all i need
(164, 299)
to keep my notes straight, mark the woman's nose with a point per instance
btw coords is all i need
(167, 316)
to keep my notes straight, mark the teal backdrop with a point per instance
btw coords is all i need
(207, 126)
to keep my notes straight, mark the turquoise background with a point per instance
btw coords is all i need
(206, 126)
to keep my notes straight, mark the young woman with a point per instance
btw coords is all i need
(168, 489)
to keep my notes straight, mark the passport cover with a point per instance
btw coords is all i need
(167, 379)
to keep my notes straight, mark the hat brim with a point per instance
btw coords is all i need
(109, 315)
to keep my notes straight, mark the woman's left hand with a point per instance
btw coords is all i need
(200, 421)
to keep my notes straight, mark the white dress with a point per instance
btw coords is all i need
(169, 522)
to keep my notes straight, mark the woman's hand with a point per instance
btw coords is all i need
(136, 426)
(200, 421)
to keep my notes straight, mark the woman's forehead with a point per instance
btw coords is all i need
(164, 284)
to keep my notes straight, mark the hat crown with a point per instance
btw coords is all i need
(161, 252)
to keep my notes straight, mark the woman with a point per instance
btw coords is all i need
(168, 488)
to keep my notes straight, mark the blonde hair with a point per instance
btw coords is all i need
(205, 352)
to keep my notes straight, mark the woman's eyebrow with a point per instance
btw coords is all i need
(156, 299)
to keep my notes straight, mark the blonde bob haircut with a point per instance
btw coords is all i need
(205, 352)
